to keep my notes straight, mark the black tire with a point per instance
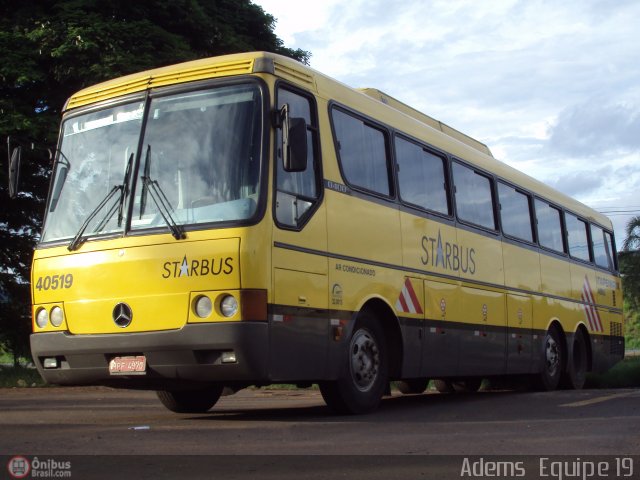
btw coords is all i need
(412, 386)
(553, 359)
(364, 377)
(444, 386)
(577, 363)
(190, 401)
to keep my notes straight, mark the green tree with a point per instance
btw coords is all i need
(51, 48)
(632, 241)
(630, 264)
(629, 260)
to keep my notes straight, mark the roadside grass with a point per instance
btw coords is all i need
(12, 377)
(625, 374)
(5, 358)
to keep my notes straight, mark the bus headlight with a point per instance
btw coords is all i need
(203, 306)
(57, 316)
(228, 306)
(42, 318)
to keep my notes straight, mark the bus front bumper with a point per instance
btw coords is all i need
(214, 352)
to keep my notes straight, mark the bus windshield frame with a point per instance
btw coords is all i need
(200, 158)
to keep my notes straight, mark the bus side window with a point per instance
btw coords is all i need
(515, 213)
(297, 192)
(474, 200)
(549, 221)
(611, 250)
(602, 247)
(578, 239)
(363, 153)
(422, 177)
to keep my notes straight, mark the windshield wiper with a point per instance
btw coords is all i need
(145, 188)
(119, 206)
(164, 207)
(77, 240)
(153, 188)
(125, 191)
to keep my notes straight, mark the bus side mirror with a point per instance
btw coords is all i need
(294, 142)
(14, 171)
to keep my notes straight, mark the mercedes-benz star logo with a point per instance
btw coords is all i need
(122, 315)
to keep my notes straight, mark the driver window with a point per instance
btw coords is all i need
(297, 192)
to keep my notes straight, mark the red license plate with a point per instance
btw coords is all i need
(128, 365)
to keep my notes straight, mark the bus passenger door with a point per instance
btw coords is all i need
(299, 324)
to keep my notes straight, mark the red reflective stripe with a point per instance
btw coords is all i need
(413, 296)
(587, 312)
(590, 308)
(403, 303)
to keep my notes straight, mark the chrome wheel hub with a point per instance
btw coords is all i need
(552, 356)
(365, 360)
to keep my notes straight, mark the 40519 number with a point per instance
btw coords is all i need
(54, 282)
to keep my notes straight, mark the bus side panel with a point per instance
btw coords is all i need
(424, 246)
(362, 237)
(520, 346)
(521, 267)
(522, 272)
(556, 282)
(483, 339)
(299, 328)
(598, 310)
(410, 312)
(608, 349)
(442, 346)
(361, 230)
(299, 324)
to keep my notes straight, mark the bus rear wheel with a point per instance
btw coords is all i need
(576, 373)
(552, 361)
(190, 401)
(364, 378)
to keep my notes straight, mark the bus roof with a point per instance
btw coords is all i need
(370, 101)
(424, 118)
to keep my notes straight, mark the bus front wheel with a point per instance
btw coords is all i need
(190, 401)
(364, 375)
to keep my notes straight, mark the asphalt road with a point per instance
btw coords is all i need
(102, 421)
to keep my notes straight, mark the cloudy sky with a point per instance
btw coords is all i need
(553, 88)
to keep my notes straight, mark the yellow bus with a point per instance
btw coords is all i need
(245, 220)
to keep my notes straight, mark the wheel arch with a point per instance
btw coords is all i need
(555, 324)
(382, 311)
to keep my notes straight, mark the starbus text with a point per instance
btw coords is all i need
(449, 256)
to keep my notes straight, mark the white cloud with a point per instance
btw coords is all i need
(594, 127)
(545, 84)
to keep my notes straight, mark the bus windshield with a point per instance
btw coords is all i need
(199, 163)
